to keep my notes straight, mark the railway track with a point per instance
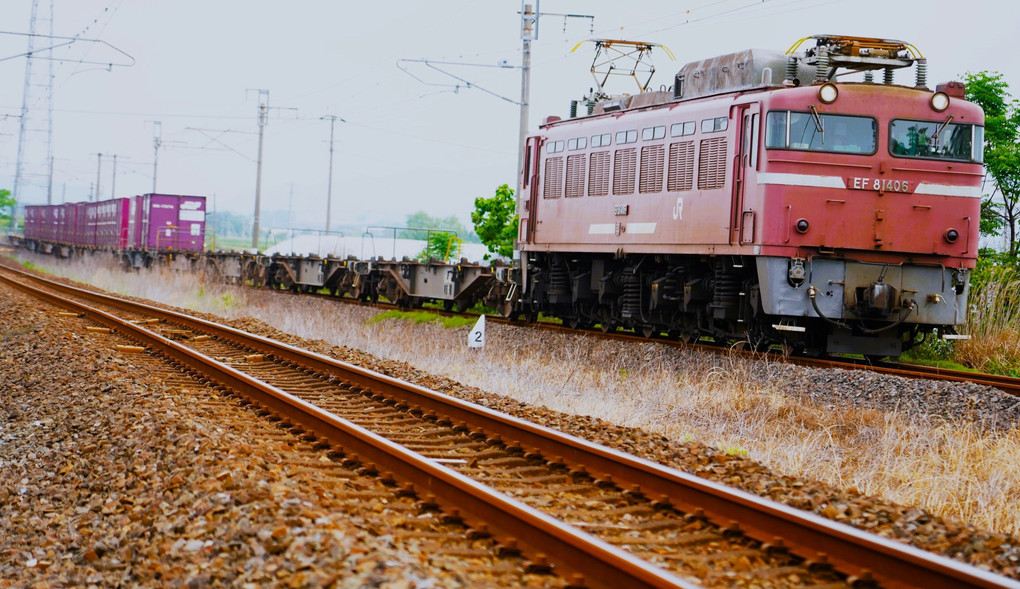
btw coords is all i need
(645, 525)
(1004, 383)
(1010, 385)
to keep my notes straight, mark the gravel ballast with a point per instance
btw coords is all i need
(119, 472)
(834, 390)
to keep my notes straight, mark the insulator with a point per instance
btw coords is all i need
(888, 79)
(922, 73)
(822, 66)
(791, 71)
(590, 105)
(869, 77)
(573, 108)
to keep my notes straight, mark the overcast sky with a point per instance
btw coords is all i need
(405, 146)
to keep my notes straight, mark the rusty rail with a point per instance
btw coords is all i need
(1007, 384)
(853, 552)
(599, 563)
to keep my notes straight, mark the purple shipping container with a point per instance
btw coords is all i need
(85, 225)
(160, 222)
(67, 222)
(48, 224)
(111, 224)
(33, 222)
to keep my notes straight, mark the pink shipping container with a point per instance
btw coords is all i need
(84, 233)
(111, 224)
(33, 221)
(160, 222)
(48, 220)
(66, 222)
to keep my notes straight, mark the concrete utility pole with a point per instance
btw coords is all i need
(49, 184)
(329, 187)
(113, 184)
(99, 167)
(263, 108)
(529, 33)
(157, 137)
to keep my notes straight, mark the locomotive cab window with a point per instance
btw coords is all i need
(941, 140)
(803, 131)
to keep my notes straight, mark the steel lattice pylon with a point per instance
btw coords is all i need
(35, 156)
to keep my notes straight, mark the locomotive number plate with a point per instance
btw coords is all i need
(883, 184)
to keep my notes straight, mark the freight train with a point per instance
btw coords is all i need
(765, 198)
(140, 228)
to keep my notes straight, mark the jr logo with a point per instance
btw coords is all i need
(678, 209)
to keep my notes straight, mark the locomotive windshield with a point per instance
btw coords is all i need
(936, 140)
(840, 134)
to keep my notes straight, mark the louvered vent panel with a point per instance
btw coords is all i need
(575, 175)
(624, 171)
(681, 166)
(598, 174)
(712, 165)
(553, 187)
(651, 168)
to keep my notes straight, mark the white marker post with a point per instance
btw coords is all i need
(476, 338)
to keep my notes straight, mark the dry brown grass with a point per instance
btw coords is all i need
(954, 469)
(994, 325)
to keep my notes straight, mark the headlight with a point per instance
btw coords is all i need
(939, 101)
(951, 235)
(828, 93)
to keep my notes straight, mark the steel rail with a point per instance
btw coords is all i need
(854, 552)
(599, 563)
(1008, 384)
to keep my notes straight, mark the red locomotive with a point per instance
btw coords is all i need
(762, 199)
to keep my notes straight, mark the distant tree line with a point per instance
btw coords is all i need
(422, 220)
(231, 224)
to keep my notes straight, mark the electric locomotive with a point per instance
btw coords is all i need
(764, 198)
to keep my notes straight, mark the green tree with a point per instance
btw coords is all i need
(496, 221)
(1000, 210)
(6, 202)
(440, 245)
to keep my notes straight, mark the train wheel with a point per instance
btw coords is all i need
(687, 337)
(648, 331)
(448, 306)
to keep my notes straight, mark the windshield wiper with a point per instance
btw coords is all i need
(818, 122)
(942, 125)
